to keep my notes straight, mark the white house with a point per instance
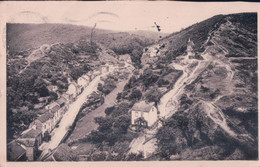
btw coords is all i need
(125, 58)
(144, 114)
(104, 69)
(82, 81)
(44, 122)
(96, 73)
(72, 90)
(86, 77)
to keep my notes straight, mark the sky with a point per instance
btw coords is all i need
(122, 16)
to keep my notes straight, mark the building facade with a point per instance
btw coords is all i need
(144, 114)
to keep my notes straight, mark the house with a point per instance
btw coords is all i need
(42, 111)
(90, 75)
(125, 58)
(86, 77)
(72, 89)
(15, 152)
(190, 46)
(30, 140)
(104, 69)
(44, 123)
(130, 67)
(61, 101)
(143, 113)
(33, 133)
(96, 73)
(81, 81)
(52, 88)
(111, 66)
(51, 105)
(30, 146)
(84, 80)
(56, 115)
(147, 58)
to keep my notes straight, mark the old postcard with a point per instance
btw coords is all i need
(129, 83)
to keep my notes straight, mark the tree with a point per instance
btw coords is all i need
(46, 136)
(122, 123)
(136, 95)
(100, 87)
(109, 110)
(154, 95)
(119, 96)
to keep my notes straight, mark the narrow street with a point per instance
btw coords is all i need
(69, 117)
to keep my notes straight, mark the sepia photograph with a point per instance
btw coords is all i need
(130, 82)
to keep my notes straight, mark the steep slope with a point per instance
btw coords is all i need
(31, 78)
(217, 111)
(211, 110)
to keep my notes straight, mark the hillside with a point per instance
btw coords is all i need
(202, 80)
(24, 38)
(215, 116)
(21, 37)
(205, 79)
(43, 56)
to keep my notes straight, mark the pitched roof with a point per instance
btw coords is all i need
(14, 151)
(45, 117)
(55, 109)
(86, 77)
(52, 105)
(61, 100)
(28, 142)
(31, 134)
(42, 111)
(124, 57)
(143, 106)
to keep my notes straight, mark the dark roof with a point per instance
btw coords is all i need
(52, 105)
(55, 109)
(143, 106)
(61, 100)
(41, 111)
(28, 142)
(31, 134)
(45, 117)
(14, 151)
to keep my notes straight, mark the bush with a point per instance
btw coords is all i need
(135, 157)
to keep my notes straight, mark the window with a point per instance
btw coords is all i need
(136, 113)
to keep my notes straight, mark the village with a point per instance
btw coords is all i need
(33, 140)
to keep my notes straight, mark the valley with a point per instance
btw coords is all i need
(190, 95)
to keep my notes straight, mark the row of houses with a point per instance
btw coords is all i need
(27, 145)
(75, 88)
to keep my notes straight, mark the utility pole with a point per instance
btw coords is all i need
(91, 35)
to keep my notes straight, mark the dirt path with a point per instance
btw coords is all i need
(218, 117)
(169, 103)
